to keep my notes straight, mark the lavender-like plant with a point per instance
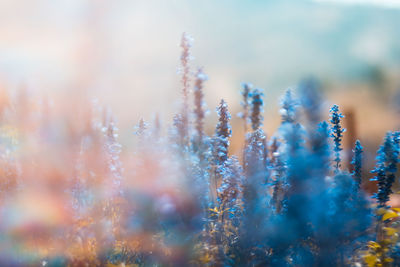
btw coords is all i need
(186, 44)
(256, 116)
(199, 112)
(246, 94)
(386, 167)
(337, 134)
(222, 133)
(256, 150)
(357, 164)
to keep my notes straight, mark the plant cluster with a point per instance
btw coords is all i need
(184, 199)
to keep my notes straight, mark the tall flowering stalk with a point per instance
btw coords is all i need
(222, 132)
(220, 195)
(386, 167)
(245, 103)
(199, 109)
(256, 116)
(337, 134)
(357, 164)
(200, 142)
(186, 44)
(220, 146)
(256, 150)
(246, 95)
(288, 111)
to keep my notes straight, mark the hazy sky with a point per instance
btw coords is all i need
(382, 3)
(127, 51)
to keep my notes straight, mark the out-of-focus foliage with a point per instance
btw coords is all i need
(77, 198)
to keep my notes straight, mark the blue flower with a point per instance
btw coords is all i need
(337, 134)
(386, 167)
(357, 164)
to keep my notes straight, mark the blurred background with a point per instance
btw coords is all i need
(126, 54)
(62, 61)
